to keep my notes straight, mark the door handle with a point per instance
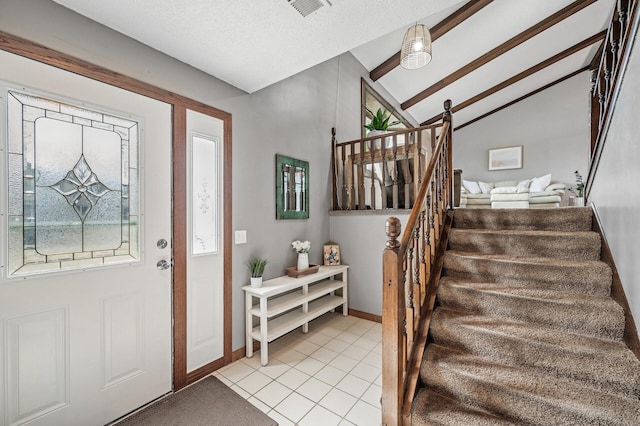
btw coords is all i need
(163, 264)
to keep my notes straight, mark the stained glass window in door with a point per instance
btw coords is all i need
(72, 178)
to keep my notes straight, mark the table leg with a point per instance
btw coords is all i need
(264, 343)
(248, 325)
(305, 308)
(345, 295)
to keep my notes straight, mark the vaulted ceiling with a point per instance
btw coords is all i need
(486, 54)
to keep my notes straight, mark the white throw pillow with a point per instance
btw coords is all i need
(540, 183)
(523, 185)
(485, 187)
(471, 186)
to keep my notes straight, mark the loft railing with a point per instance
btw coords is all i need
(411, 270)
(381, 171)
(606, 79)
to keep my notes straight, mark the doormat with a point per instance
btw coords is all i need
(207, 402)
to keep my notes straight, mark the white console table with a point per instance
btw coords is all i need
(286, 303)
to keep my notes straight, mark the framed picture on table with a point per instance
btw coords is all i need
(331, 254)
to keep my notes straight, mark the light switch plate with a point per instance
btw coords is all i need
(241, 237)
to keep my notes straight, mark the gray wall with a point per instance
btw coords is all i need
(551, 125)
(293, 117)
(362, 239)
(615, 191)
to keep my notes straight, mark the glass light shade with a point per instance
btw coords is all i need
(416, 47)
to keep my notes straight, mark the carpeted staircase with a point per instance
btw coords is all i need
(525, 331)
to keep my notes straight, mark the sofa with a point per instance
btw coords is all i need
(537, 192)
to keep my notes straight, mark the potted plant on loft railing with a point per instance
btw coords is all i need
(380, 124)
(380, 120)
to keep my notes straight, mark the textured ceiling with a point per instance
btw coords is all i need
(252, 44)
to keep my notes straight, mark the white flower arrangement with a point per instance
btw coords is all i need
(301, 246)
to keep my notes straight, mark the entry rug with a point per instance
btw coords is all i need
(208, 402)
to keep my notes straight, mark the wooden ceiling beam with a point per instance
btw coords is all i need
(524, 74)
(527, 34)
(438, 30)
(521, 98)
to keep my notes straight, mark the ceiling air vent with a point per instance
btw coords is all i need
(306, 7)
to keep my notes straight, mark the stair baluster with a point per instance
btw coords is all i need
(393, 162)
(607, 77)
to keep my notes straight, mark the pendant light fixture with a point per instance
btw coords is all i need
(416, 47)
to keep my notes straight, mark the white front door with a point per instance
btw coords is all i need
(85, 198)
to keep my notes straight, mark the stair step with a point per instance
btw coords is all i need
(596, 316)
(569, 275)
(522, 394)
(602, 363)
(559, 219)
(430, 408)
(554, 244)
(525, 330)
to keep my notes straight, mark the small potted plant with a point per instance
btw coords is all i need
(379, 121)
(256, 267)
(578, 189)
(379, 125)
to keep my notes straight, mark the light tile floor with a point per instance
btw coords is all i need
(329, 376)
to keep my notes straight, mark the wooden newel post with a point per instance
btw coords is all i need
(446, 116)
(392, 228)
(393, 315)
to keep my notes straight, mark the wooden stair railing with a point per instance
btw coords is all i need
(411, 270)
(606, 76)
(382, 171)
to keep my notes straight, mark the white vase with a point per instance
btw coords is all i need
(303, 261)
(579, 202)
(388, 141)
(256, 281)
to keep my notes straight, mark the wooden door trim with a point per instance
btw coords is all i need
(179, 269)
(180, 104)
